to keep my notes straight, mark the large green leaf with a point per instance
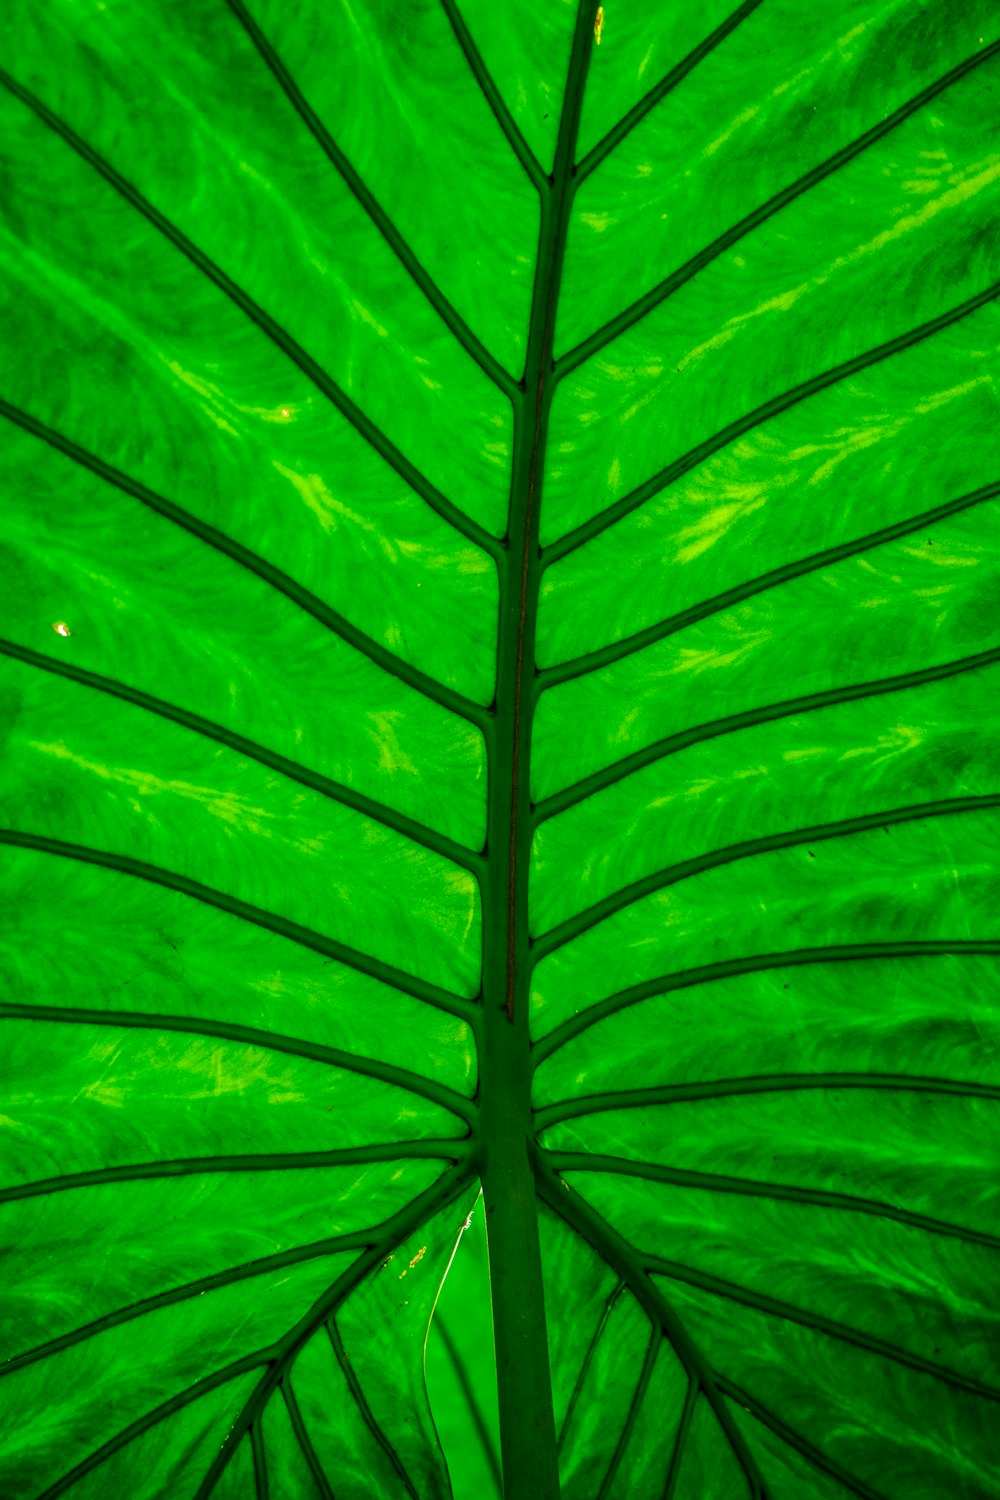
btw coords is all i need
(447, 462)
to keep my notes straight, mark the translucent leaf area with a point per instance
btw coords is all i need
(499, 655)
(461, 1372)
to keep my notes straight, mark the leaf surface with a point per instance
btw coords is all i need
(498, 658)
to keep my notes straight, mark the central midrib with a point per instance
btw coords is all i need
(507, 1142)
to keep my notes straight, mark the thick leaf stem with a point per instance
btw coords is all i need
(527, 1428)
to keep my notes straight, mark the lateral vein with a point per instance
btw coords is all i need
(756, 418)
(493, 96)
(853, 692)
(633, 314)
(251, 1036)
(683, 979)
(773, 1307)
(659, 91)
(310, 367)
(615, 651)
(659, 880)
(767, 1083)
(445, 310)
(364, 963)
(336, 623)
(585, 1161)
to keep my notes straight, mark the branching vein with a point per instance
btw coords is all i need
(304, 1441)
(259, 1462)
(585, 1161)
(375, 968)
(672, 283)
(284, 1354)
(852, 692)
(493, 96)
(337, 791)
(336, 623)
(628, 1266)
(772, 1307)
(658, 880)
(251, 1036)
(756, 418)
(614, 651)
(358, 1241)
(149, 1419)
(313, 371)
(361, 1401)
(460, 330)
(638, 1396)
(610, 1302)
(795, 1440)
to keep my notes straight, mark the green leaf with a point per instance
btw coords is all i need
(499, 654)
(461, 1371)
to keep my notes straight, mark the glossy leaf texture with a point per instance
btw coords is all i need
(499, 551)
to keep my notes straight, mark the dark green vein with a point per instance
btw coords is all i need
(252, 1036)
(680, 1441)
(493, 96)
(276, 1357)
(337, 791)
(795, 1440)
(768, 1083)
(816, 1322)
(683, 979)
(375, 968)
(606, 656)
(672, 283)
(285, 1352)
(629, 1267)
(457, 326)
(609, 1305)
(149, 1419)
(638, 1396)
(761, 414)
(304, 1441)
(313, 371)
(852, 693)
(360, 1240)
(475, 1411)
(259, 1462)
(639, 111)
(659, 880)
(585, 1161)
(336, 623)
(458, 1150)
(367, 1416)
